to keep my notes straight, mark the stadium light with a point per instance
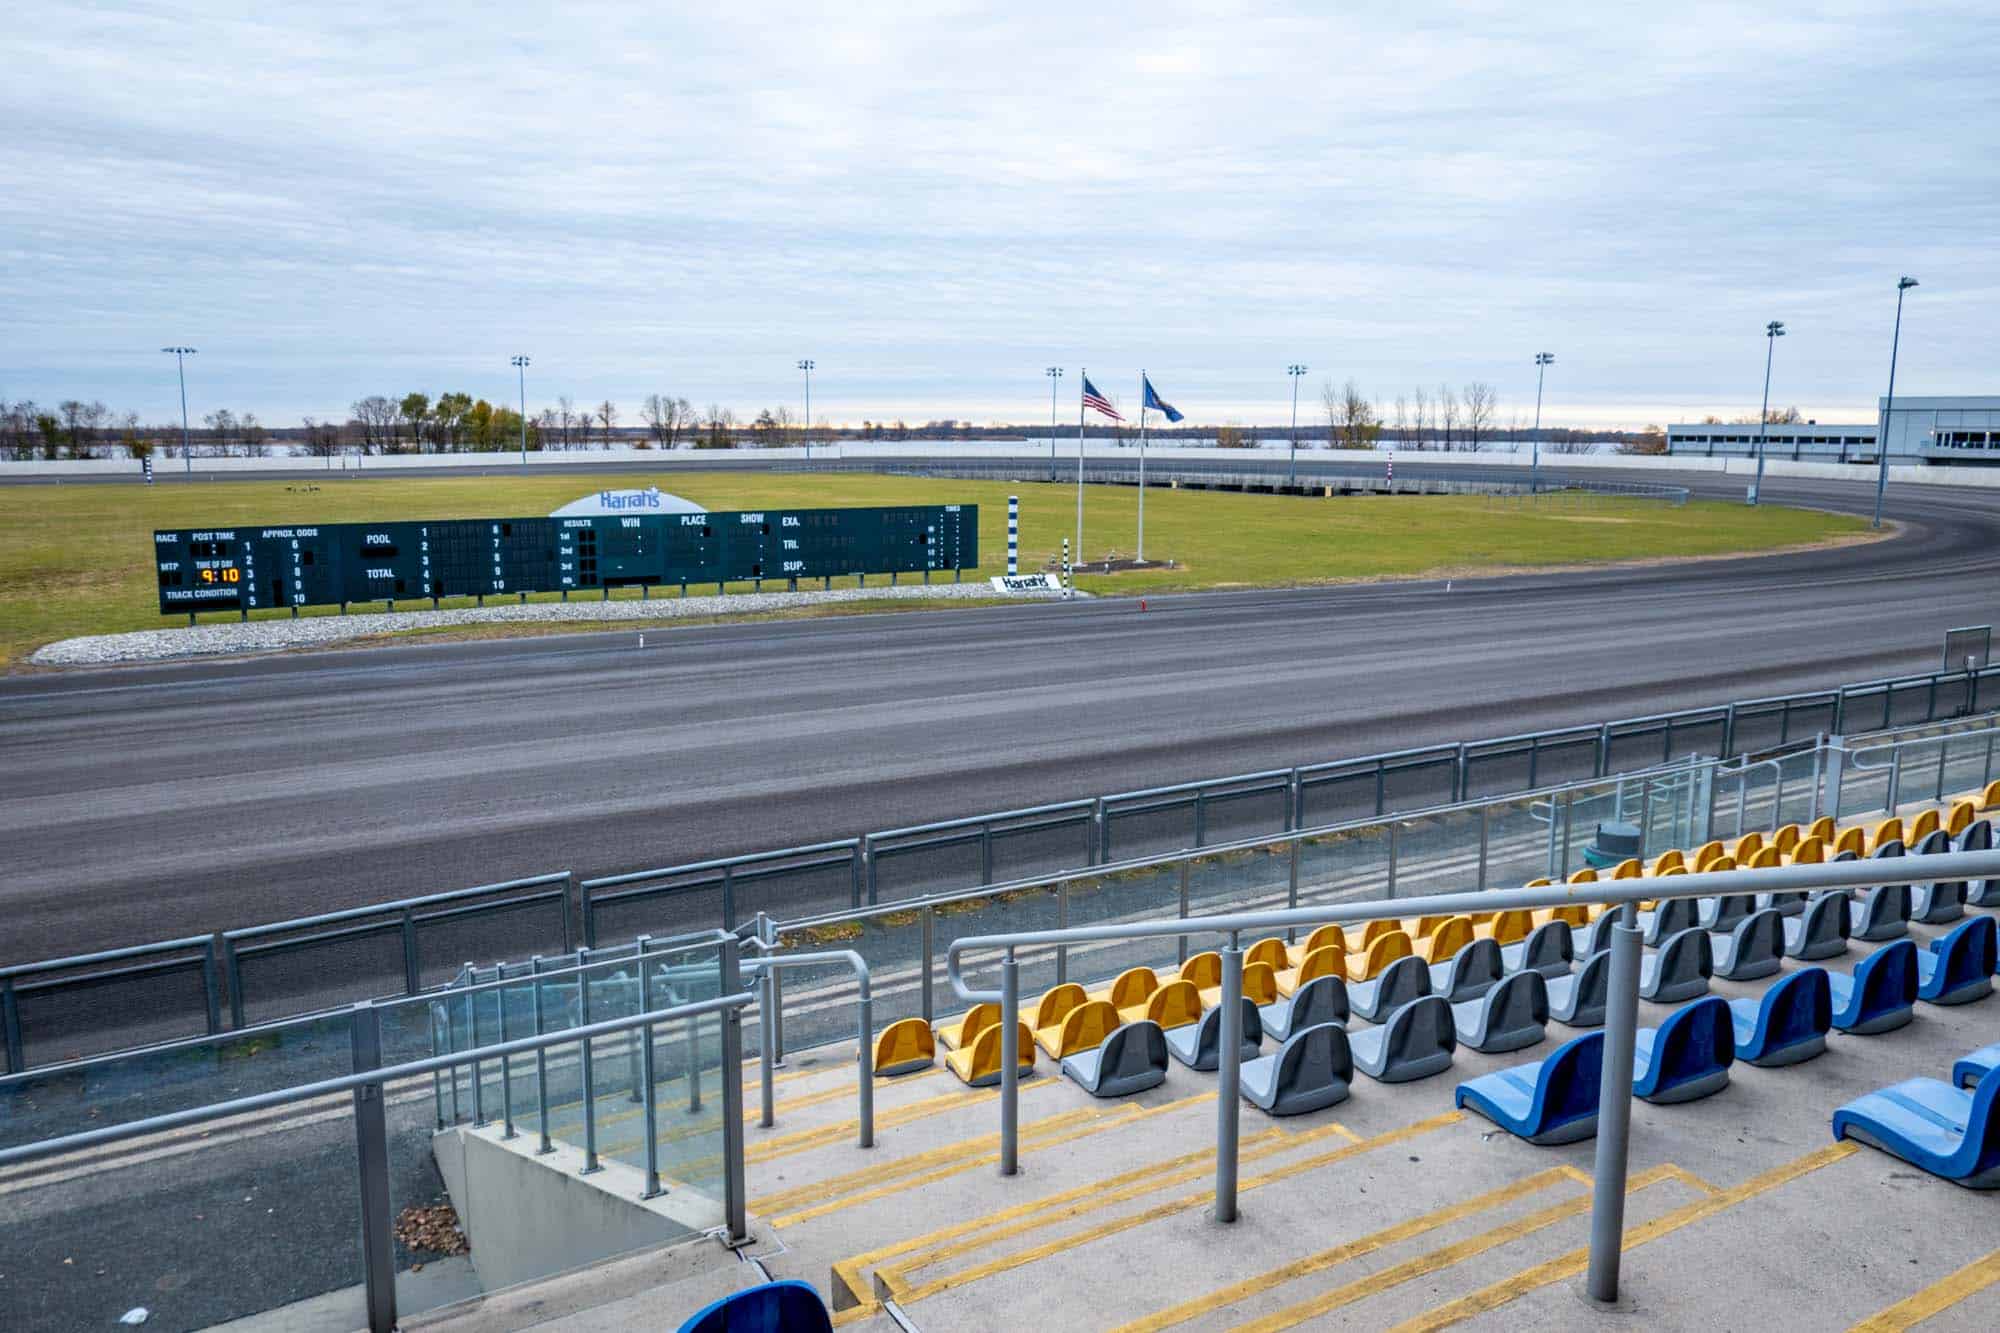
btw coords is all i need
(807, 367)
(1054, 373)
(180, 365)
(1292, 467)
(520, 364)
(1542, 362)
(1882, 435)
(1772, 332)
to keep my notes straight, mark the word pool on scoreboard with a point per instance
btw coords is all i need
(246, 568)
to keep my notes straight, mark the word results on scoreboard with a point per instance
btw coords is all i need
(246, 568)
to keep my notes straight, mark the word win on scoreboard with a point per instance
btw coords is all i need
(247, 568)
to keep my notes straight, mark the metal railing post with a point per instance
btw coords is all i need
(211, 987)
(770, 938)
(728, 898)
(1818, 776)
(1010, 1055)
(1569, 819)
(1295, 803)
(1895, 781)
(1836, 770)
(1228, 1079)
(10, 1026)
(1614, 1115)
(857, 874)
(412, 974)
(506, 1071)
(1485, 840)
(928, 921)
(437, 1076)
(864, 1048)
(1181, 940)
(1100, 833)
(871, 874)
(477, 1069)
(650, 1102)
(1395, 840)
(371, 1143)
(541, 1062)
(590, 1162)
(1200, 817)
(1062, 923)
(767, 1114)
(232, 969)
(986, 853)
(1292, 880)
(735, 1197)
(1944, 747)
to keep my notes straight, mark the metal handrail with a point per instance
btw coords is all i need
(1621, 1018)
(765, 968)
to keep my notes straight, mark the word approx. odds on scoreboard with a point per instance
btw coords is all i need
(246, 568)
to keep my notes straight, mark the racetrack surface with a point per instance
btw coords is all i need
(150, 802)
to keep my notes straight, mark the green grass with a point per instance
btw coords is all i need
(76, 559)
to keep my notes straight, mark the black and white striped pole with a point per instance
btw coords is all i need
(1013, 535)
(1065, 570)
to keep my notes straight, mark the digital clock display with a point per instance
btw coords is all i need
(231, 574)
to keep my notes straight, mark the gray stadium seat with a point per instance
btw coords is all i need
(1321, 1000)
(1784, 904)
(1936, 902)
(1820, 931)
(1131, 1060)
(1722, 913)
(1549, 950)
(1752, 949)
(1978, 837)
(1880, 913)
(1313, 1069)
(1679, 971)
(1198, 1045)
(1512, 1015)
(1579, 998)
(1415, 1042)
(1471, 972)
(1402, 981)
(1674, 916)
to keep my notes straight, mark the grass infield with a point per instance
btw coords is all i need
(77, 559)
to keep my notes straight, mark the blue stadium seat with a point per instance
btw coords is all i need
(1680, 970)
(1414, 1042)
(1789, 1025)
(1970, 1069)
(1722, 913)
(1396, 985)
(1688, 1056)
(1321, 1000)
(1958, 968)
(1313, 1069)
(775, 1307)
(1132, 1059)
(1820, 931)
(1549, 949)
(1880, 913)
(1472, 971)
(1930, 1124)
(1753, 948)
(1509, 1017)
(1198, 1045)
(1673, 916)
(1579, 998)
(1547, 1102)
(1881, 996)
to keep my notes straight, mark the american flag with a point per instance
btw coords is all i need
(1097, 402)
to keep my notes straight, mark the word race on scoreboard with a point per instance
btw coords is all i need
(252, 568)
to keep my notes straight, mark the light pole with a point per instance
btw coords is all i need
(807, 367)
(180, 365)
(1054, 373)
(520, 364)
(1772, 332)
(1542, 361)
(1888, 411)
(1292, 467)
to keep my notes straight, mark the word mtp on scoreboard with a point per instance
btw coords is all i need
(246, 568)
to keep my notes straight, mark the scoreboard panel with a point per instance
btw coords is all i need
(247, 568)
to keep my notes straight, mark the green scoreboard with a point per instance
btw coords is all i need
(246, 568)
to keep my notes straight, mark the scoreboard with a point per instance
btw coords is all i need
(246, 568)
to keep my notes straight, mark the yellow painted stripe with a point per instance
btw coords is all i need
(1340, 1254)
(1569, 1265)
(805, 1140)
(1362, 1288)
(1935, 1299)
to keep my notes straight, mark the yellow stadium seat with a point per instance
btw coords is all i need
(904, 1047)
(1851, 840)
(1173, 1005)
(1442, 944)
(1375, 930)
(1270, 952)
(1323, 937)
(1764, 858)
(1704, 854)
(1823, 828)
(1960, 817)
(1541, 883)
(1049, 1010)
(1135, 985)
(1989, 796)
(1385, 950)
(1260, 986)
(1671, 859)
(1747, 846)
(1809, 852)
(1204, 970)
(1587, 875)
(1327, 962)
(1418, 927)
(1081, 1029)
(979, 1064)
(1923, 826)
(1577, 914)
(1506, 927)
(1628, 869)
(1786, 838)
(1720, 863)
(959, 1032)
(1889, 830)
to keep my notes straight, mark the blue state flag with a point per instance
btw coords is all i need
(1157, 403)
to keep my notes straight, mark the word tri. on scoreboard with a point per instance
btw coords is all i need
(246, 568)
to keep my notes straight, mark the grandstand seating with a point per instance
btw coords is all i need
(1549, 949)
(1313, 1069)
(1081, 1029)
(1512, 1015)
(1880, 913)
(1820, 931)
(978, 1065)
(1547, 1102)
(1402, 981)
(1056, 1004)
(1204, 970)
(1321, 1000)
(1470, 973)
(1130, 1060)
(1329, 936)
(1670, 918)
(1936, 902)
(1958, 968)
(905, 1047)
(1260, 985)
(1679, 970)
(1130, 989)
(1579, 998)
(1324, 962)
(1414, 1042)
(967, 1026)
(1752, 948)
(1788, 1024)
(1199, 1045)
(1721, 914)
(1688, 1056)
(1385, 949)
(1505, 927)
(1881, 995)
(1173, 1005)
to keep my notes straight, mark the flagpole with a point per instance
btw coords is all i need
(1081, 380)
(1142, 467)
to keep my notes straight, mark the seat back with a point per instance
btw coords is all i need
(1747, 846)
(1175, 1004)
(1574, 915)
(1587, 875)
(1260, 982)
(1330, 936)
(1321, 1000)
(1851, 840)
(1135, 985)
(1448, 939)
(1696, 1040)
(1056, 1003)
(1763, 858)
(1208, 1034)
(1271, 950)
(1328, 962)
(1133, 1051)
(985, 1059)
(789, 1305)
(1959, 819)
(1629, 868)
(1375, 930)
(1921, 826)
(1823, 921)
(1824, 828)
(1550, 948)
(1400, 982)
(1989, 795)
(1671, 859)
(1510, 927)
(1785, 839)
(1420, 928)
(1977, 836)
(1419, 1028)
(1886, 850)
(1519, 1001)
(1474, 969)
(1204, 969)
(1569, 1083)
(1934, 843)
(1886, 981)
(1593, 988)
(1889, 830)
(1086, 1026)
(1386, 949)
(1673, 916)
(1702, 855)
(979, 1018)
(1684, 959)
(1965, 954)
(1312, 1058)
(1796, 1009)
(904, 1046)
(1809, 852)
(1732, 908)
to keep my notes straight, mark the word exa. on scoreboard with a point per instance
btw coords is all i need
(246, 568)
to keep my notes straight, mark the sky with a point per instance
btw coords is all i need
(936, 202)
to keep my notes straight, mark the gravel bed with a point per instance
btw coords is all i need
(254, 636)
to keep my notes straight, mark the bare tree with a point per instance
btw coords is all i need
(718, 428)
(254, 436)
(1447, 411)
(1351, 419)
(375, 419)
(322, 438)
(666, 417)
(1230, 435)
(1421, 404)
(607, 413)
(1481, 403)
(1402, 420)
(221, 425)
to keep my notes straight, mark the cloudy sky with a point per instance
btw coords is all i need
(936, 201)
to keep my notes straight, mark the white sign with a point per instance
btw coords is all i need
(652, 500)
(1026, 583)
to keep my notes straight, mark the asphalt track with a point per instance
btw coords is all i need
(145, 803)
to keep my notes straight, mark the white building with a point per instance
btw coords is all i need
(1954, 429)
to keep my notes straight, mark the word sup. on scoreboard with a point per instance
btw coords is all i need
(247, 568)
